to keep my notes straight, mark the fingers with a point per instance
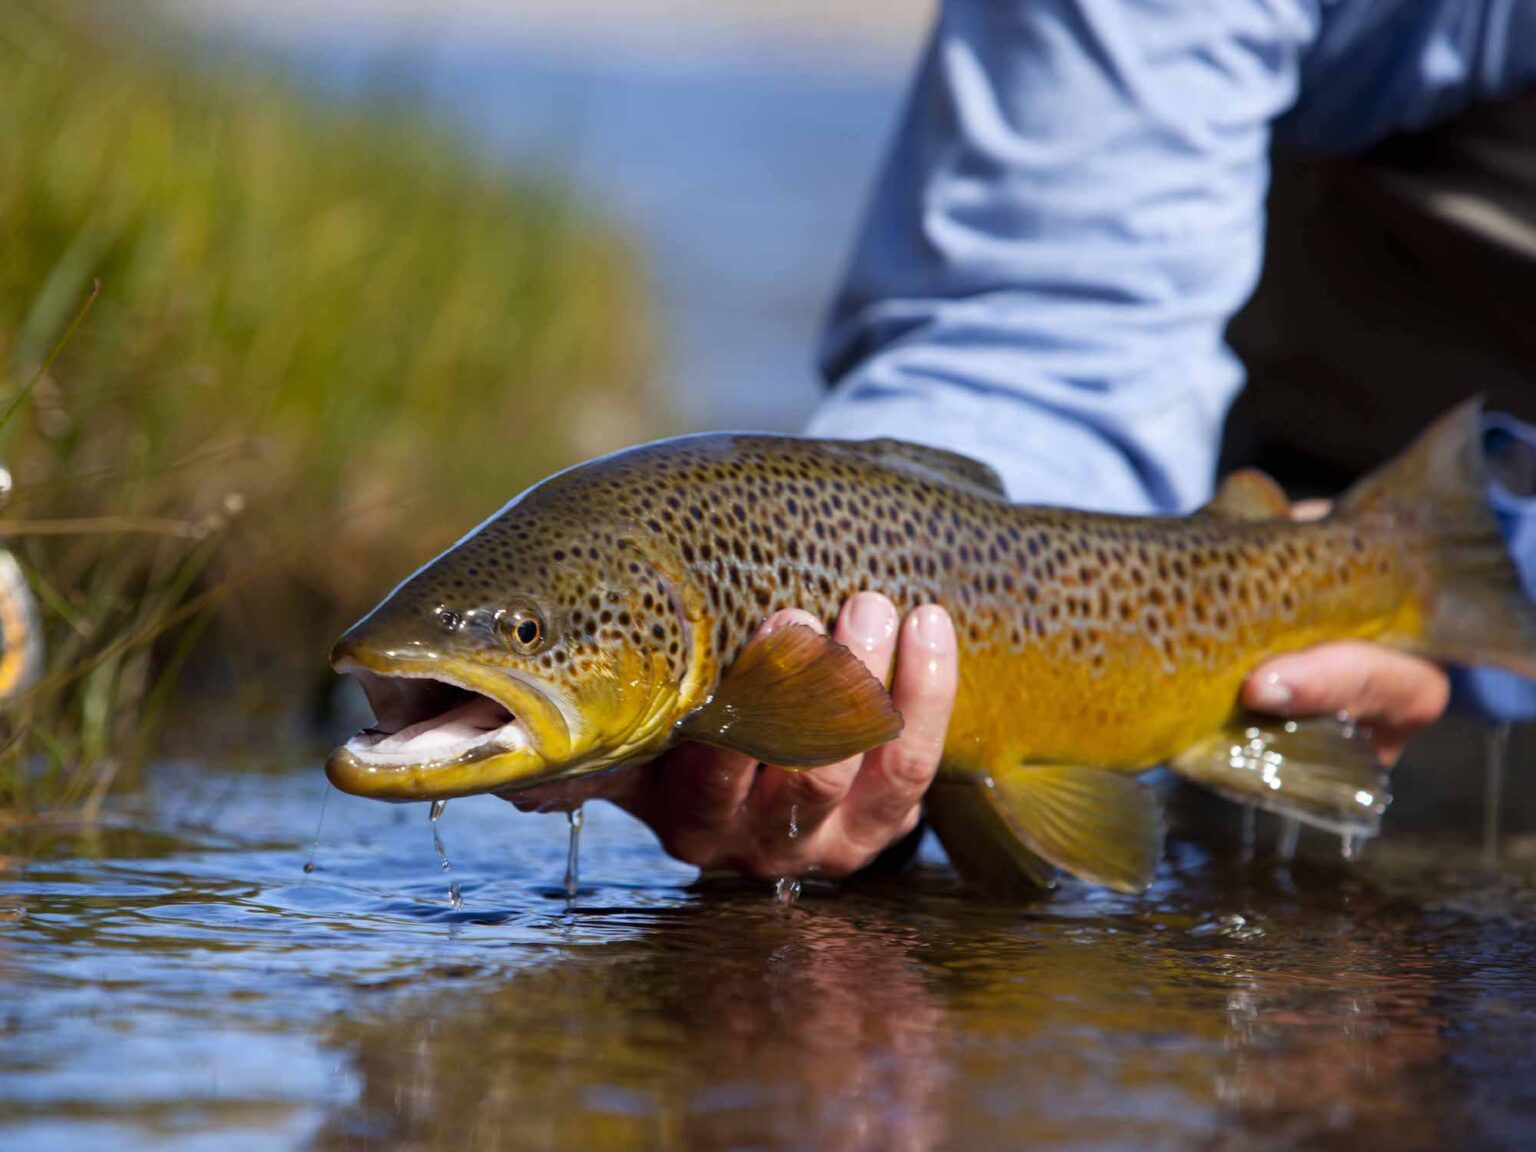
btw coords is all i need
(718, 809)
(867, 626)
(1391, 694)
(695, 795)
(885, 798)
(1311, 509)
(565, 795)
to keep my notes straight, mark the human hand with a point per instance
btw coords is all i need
(1390, 695)
(723, 810)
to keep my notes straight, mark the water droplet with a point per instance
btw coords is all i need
(1494, 752)
(787, 890)
(572, 853)
(1290, 832)
(1249, 830)
(794, 821)
(309, 865)
(1232, 925)
(454, 898)
(1351, 846)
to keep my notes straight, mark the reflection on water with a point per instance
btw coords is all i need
(180, 982)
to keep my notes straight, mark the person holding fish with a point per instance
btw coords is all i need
(1072, 214)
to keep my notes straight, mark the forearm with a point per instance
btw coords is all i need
(1072, 212)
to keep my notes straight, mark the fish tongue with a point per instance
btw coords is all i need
(469, 721)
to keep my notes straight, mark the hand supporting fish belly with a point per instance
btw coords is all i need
(609, 614)
(724, 810)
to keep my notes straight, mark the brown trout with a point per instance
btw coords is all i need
(607, 614)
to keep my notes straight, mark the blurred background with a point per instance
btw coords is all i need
(295, 292)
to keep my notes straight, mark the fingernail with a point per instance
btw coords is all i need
(932, 629)
(789, 616)
(871, 620)
(1272, 693)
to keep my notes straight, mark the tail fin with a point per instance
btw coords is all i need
(1473, 608)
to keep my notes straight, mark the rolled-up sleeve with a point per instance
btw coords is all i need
(1071, 213)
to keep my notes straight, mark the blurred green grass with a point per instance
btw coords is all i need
(327, 341)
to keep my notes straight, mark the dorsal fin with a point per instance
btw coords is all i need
(1249, 494)
(937, 464)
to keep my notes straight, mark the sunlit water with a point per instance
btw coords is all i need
(178, 981)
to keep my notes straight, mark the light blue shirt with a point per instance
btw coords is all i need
(1074, 209)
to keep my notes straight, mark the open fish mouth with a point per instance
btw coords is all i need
(424, 721)
(443, 730)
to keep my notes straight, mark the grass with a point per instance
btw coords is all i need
(326, 341)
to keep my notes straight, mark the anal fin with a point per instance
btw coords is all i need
(1101, 826)
(1321, 771)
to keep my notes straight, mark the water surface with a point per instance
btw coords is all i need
(176, 980)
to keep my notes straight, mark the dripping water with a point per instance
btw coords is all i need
(433, 817)
(1248, 832)
(787, 890)
(794, 821)
(314, 848)
(455, 895)
(1290, 832)
(1351, 846)
(572, 853)
(1495, 750)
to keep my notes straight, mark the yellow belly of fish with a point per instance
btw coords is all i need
(1048, 706)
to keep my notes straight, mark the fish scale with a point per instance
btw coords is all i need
(1098, 620)
(1091, 646)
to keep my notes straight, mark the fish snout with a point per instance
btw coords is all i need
(343, 656)
(365, 646)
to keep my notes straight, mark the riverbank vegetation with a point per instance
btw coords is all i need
(326, 340)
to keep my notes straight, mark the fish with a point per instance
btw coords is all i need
(610, 613)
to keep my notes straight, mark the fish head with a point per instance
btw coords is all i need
(539, 648)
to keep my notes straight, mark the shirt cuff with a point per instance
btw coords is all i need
(1509, 446)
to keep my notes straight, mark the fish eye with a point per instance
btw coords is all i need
(450, 619)
(523, 630)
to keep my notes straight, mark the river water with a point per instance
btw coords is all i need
(177, 980)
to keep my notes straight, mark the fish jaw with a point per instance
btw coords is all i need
(447, 728)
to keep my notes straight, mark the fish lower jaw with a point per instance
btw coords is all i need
(437, 745)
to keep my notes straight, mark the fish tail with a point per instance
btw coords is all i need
(1468, 605)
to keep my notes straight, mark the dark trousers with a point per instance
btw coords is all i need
(1395, 284)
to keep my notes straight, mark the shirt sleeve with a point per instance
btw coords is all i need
(1377, 67)
(1071, 213)
(1509, 445)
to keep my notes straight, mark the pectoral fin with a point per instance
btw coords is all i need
(1321, 771)
(796, 698)
(1101, 826)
